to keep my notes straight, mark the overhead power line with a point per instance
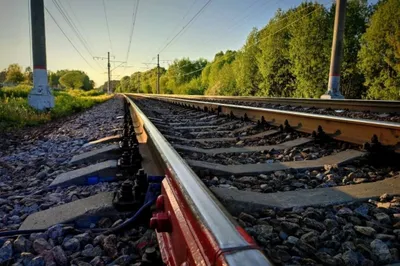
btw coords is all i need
(55, 21)
(72, 25)
(108, 27)
(183, 18)
(134, 16)
(297, 20)
(293, 22)
(187, 24)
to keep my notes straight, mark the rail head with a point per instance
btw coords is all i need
(380, 106)
(356, 131)
(201, 202)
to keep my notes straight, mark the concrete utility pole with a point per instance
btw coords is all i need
(109, 70)
(109, 73)
(138, 90)
(40, 96)
(158, 74)
(337, 52)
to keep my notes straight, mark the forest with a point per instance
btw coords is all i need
(290, 56)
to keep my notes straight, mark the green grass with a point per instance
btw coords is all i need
(15, 111)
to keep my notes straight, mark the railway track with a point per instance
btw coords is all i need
(230, 184)
(283, 187)
(334, 107)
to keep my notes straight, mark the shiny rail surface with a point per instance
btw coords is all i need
(356, 131)
(231, 244)
(342, 104)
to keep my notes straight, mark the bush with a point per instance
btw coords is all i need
(15, 111)
(17, 91)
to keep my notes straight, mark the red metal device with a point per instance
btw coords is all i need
(182, 239)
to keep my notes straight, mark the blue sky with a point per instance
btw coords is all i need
(223, 25)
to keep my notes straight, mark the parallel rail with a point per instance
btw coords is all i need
(203, 233)
(346, 104)
(356, 131)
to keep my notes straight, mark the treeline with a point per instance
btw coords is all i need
(61, 79)
(290, 56)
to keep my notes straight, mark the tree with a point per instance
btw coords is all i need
(28, 75)
(14, 74)
(275, 64)
(221, 78)
(309, 52)
(379, 57)
(114, 84)
(76, 80)
(246, 69)
(3, 75)
(125, 84)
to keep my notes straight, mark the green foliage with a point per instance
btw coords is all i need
(15, 111)
(274, 62)
(221, 79)
(246, 69)
(14, 74)
(290, 57)
(76, 80)
(379, 57)
(3, 75)
(20, 91)
(351, 80)
(310, 44)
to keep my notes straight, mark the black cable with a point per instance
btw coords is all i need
(68, 38)
(72, 25)
(108, 28)
(134, 16)
(187, 24)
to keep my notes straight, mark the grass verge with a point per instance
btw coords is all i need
(15, 111)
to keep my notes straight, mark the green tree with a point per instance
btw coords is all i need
(221, 78)
(310, 44)
(275, 64)
(246, 69)
(76, 80)
(28, 75)
(14, 74)
(379, 57)
(3, 75)
(125, 85)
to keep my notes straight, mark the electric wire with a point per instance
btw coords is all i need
(72, 25)
(286, 26)
(108, 27)
(297, 20)
(183, 18)
(55, 21)
(77, 20)
(187, 24)
(134, 16)
(69, 20)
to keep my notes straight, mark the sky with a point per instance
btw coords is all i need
(222, 25)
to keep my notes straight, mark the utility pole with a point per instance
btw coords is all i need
(138, 90)
(40, 96)
(337, 52)
(109, 73)
(109, 67)
(158, 74)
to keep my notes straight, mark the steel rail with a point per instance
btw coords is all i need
(356, 131)
(233, 245)
(336, 104)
